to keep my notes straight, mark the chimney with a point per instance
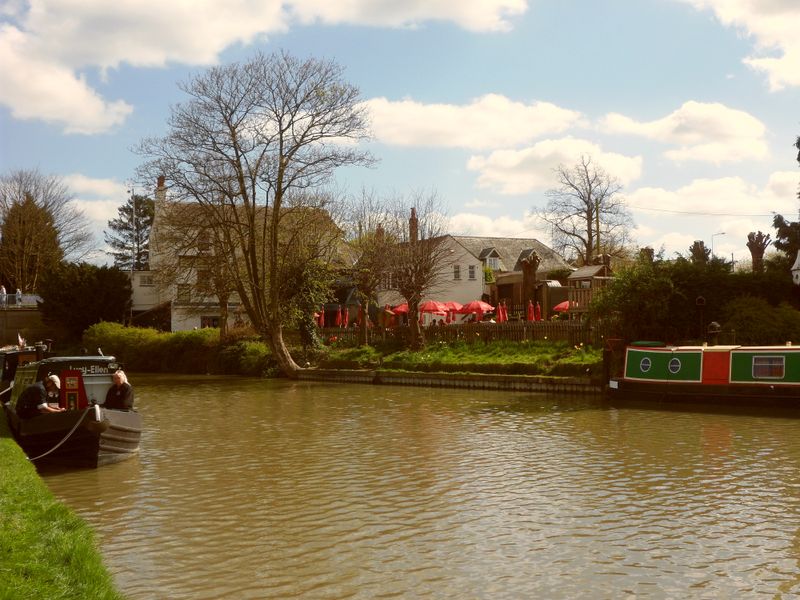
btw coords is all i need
(413, 227)
(161, 190)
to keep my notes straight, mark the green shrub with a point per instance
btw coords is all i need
(195, 351)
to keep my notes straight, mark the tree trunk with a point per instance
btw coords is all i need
(281, 353)
(417, 341)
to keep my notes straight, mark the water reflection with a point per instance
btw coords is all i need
(254, 489)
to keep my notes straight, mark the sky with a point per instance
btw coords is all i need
(692, 105)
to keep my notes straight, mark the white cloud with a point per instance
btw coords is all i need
(37, 88)
(472, 15)
(99, 211)
(82, 185)
(491, 121)
(773, 24)
(708, 206)
(529, 169)
(731, 196)
(502, 226)
(44, 52)
(98, 199)
(709, 132)
(481, 203)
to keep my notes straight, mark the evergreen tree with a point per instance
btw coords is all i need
(29, 244)
(129, 234)
(75, 296)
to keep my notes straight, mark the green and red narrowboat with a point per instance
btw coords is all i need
(736, 375)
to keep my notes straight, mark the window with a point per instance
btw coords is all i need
(203, 241)
(184, 295)
(493, 263)
(769, 367)
(386, 281)
(203, 284)
(456, 272)
(146, 281)
(674, 366)
(472, 272)
(209, 322)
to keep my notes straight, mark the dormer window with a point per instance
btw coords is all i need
(493, 263)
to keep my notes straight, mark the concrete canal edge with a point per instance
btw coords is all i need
(480, 381)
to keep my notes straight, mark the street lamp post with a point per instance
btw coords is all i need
(712, 241)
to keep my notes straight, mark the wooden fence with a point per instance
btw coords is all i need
(572, 332)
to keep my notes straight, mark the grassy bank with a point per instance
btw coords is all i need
(510, 358)
(202, 351)
(46, 550)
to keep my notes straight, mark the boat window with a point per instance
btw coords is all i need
(768, 367)
(645, 365)
(674, 365)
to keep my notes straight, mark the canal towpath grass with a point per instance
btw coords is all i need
(46, 550)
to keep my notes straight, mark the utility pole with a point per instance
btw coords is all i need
(134, 245)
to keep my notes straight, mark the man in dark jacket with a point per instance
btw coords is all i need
(34, 400)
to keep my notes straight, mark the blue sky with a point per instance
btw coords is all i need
(692, 104)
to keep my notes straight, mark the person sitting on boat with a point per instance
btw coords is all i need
(36, 397)
(120, 395)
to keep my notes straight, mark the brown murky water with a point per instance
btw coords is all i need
(263, 489)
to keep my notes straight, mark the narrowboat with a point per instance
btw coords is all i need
(735, 375)
(85, 434)
(12, 357)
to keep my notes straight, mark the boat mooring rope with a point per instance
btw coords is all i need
(66, 437)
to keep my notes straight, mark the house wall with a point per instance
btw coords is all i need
(144, 293)
(462, 289)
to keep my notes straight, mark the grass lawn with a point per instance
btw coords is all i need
(529, 358)
(46, 550)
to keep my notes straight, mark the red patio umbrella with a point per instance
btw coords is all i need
(538, 312)
(346, 316)
(478, 307)
(400, 308)
(454, 306)
(360, 314)
(531, 315)
(432, 306)
(338, 315)
(562, 306)
(321, 318)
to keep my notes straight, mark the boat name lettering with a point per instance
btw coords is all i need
(91, 369)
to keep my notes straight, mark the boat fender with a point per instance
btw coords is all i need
(97, 416)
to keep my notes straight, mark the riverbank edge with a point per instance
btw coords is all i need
(48, 550)
(482, 381)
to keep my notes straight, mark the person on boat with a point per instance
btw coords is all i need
(35, 399)
(120, 395)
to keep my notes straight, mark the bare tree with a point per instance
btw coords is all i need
(250, 140)
(757, 244)
(370, 230)
(50, 193)
(421, 260)
(585, 212)
(190, 256)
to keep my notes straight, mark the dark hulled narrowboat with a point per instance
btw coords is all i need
(85, 434)
(735, 375)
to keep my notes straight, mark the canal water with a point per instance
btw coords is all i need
(273, 489)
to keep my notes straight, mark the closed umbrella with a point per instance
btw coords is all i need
(538, 312)
(531, 314)
(346, 316)
(322, 316)
(338, 315)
